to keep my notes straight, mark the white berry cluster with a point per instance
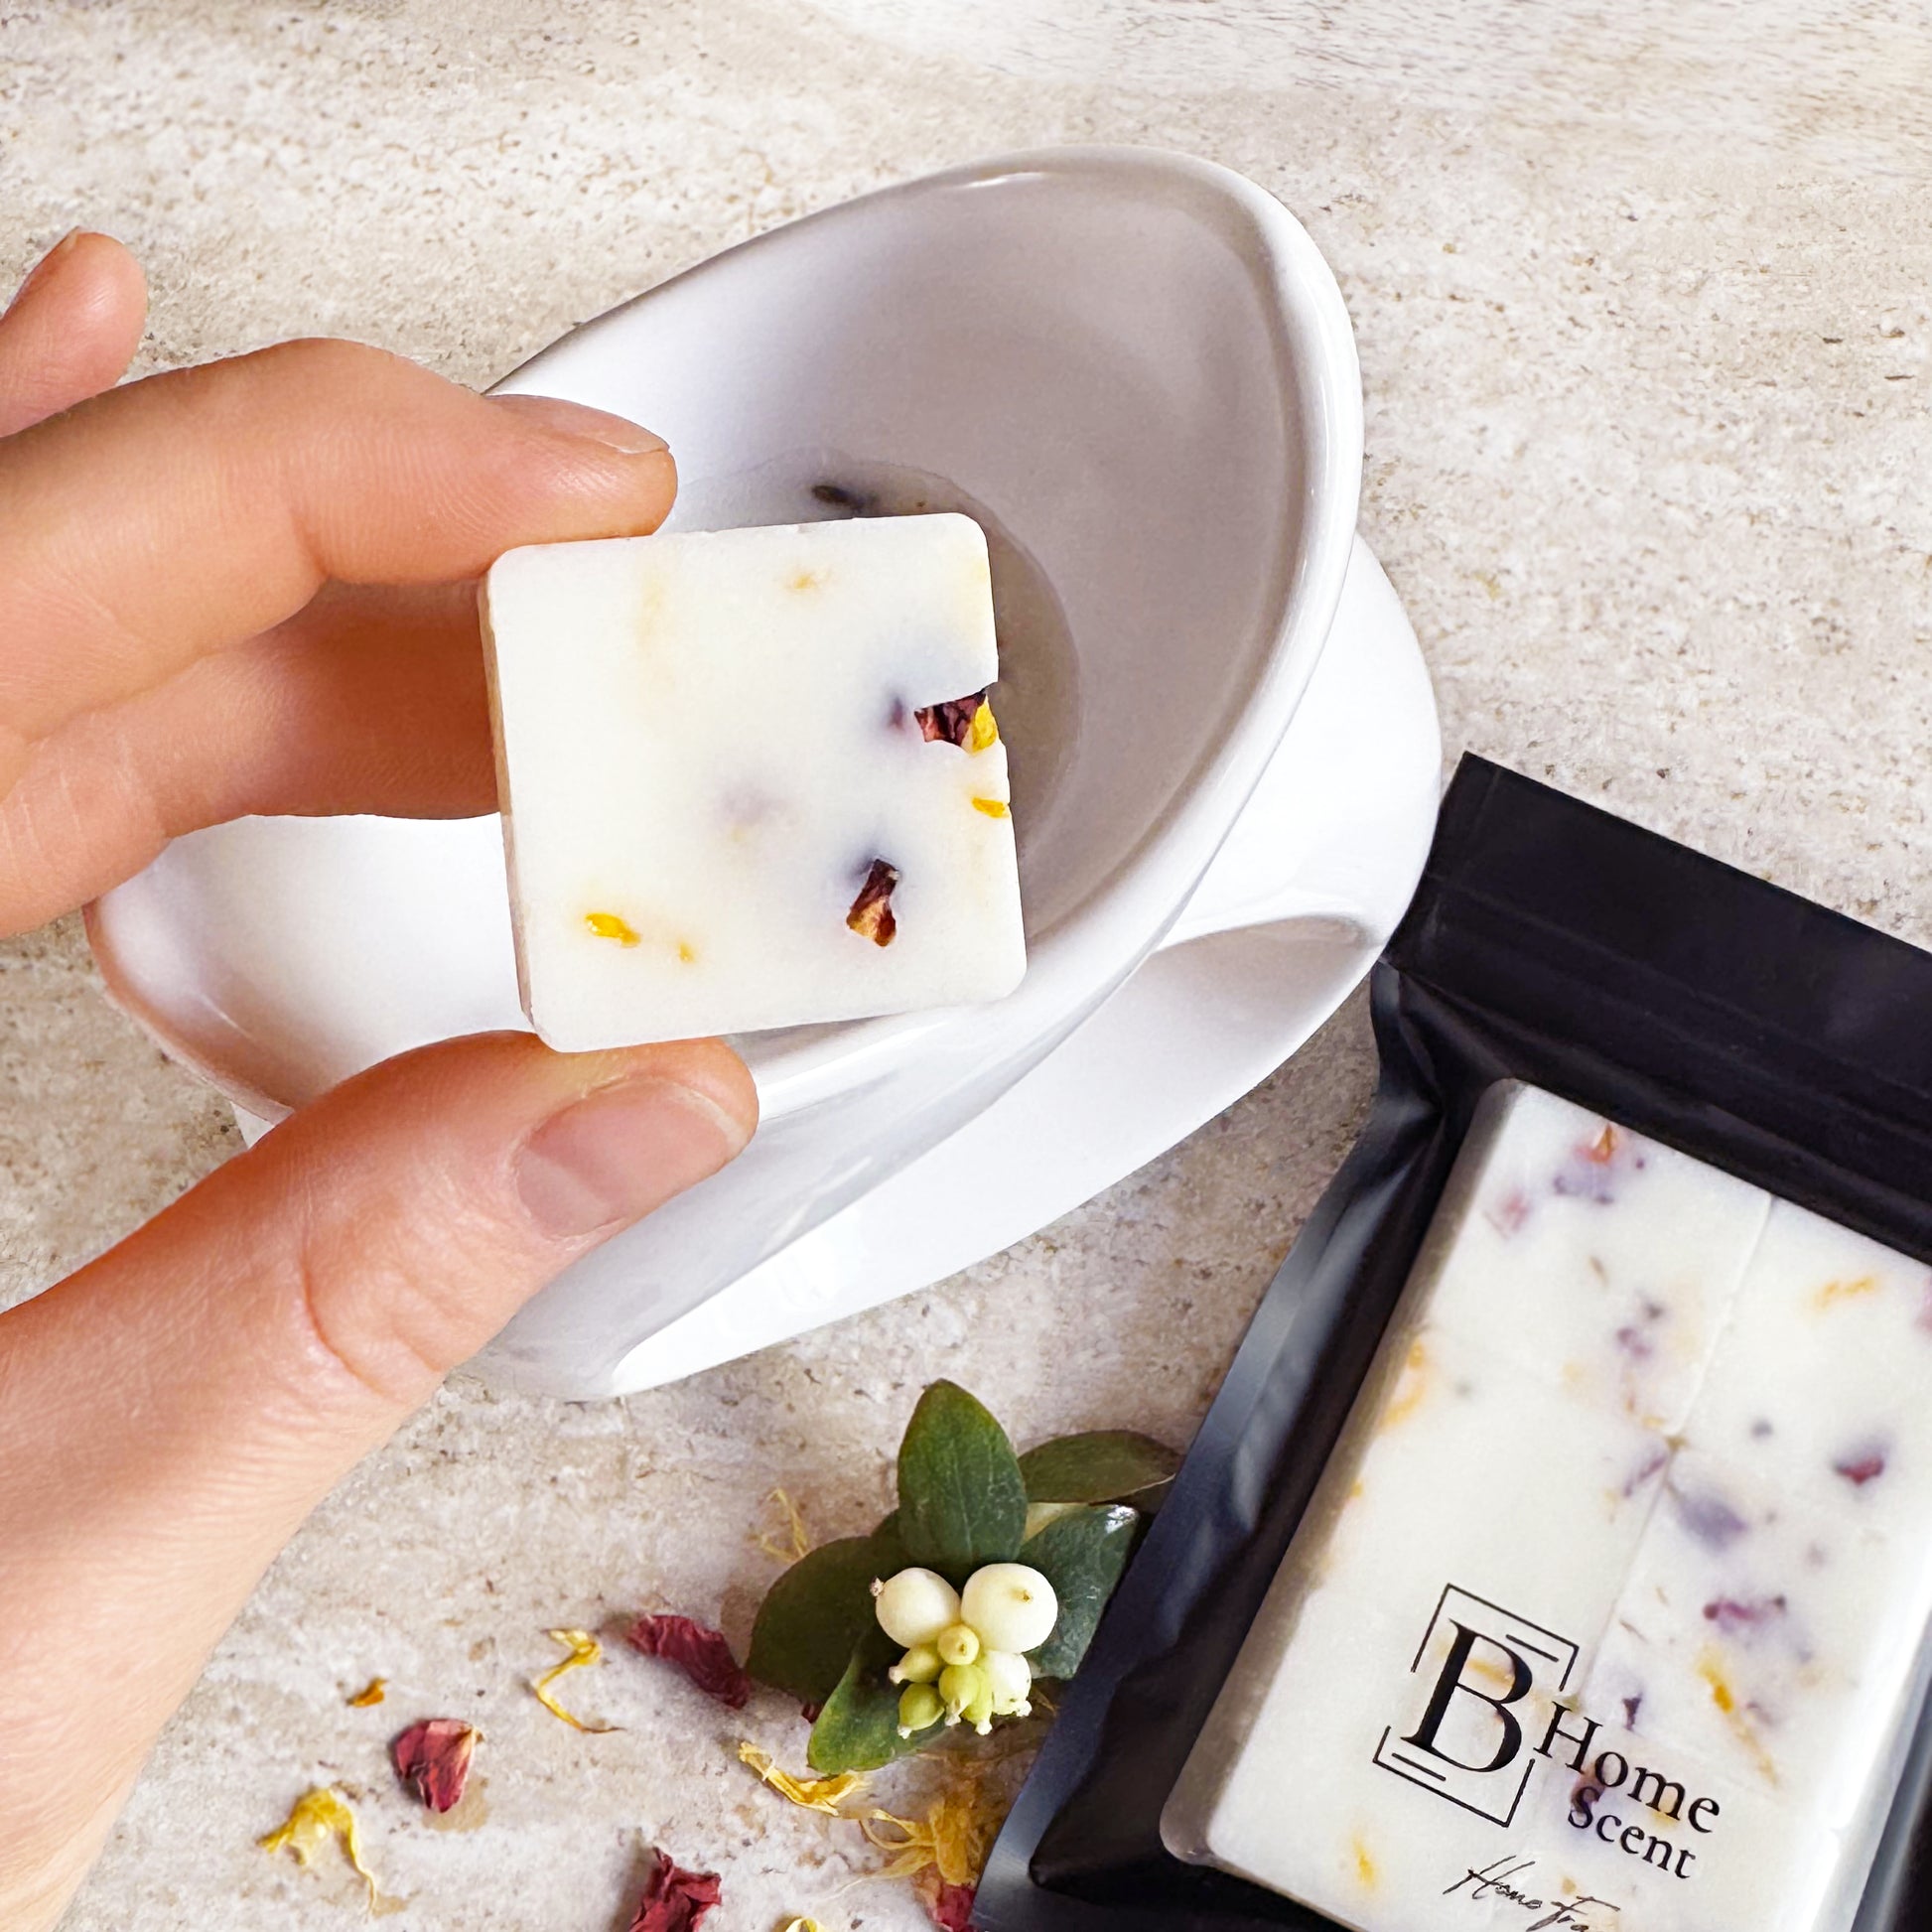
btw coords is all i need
(965, 1650)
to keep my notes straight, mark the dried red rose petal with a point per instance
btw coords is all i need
(870, 916)
(674, 1899)
(1709, 1518)
(1634, 1342)
(701, 1653)
(1859, 1468)
(951, 1907)
(433, 1758)
(1508, 1216)
(1732, 1617)
(1644, 1470)
(951, 720)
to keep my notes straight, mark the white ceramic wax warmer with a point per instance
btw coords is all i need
(1137, 370)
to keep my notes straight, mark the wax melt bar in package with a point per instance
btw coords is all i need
(1558, 1553)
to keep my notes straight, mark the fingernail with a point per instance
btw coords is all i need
(40, 267)
(596, 425)
(610, 1158)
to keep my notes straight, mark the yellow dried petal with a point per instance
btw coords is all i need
(812, 1794)
(607, 925)
(373, 1692)
(985, 733)
(1411, 1388)
(911, 1851)
(585, 1650)
(803, 1925)
(1364, 1864)
(1846, 1291)
(1712, 1671)
(953, 1838)
(993, 808)
(317, 1817)
(794, 1543)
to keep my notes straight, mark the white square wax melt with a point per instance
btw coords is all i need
(1453, 1423)
(1763, 1634)
(1823, 1379)
(750, 780)
(1599, 1260)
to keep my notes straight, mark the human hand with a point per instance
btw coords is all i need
(180, 643)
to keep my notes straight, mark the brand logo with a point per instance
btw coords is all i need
(1487, 1710)
(1479, 1666)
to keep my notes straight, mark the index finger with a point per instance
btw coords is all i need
(182, 512)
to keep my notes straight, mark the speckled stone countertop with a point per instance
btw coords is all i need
(1643, 296)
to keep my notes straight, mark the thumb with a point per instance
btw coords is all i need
(170, 1414)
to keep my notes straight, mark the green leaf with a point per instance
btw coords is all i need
(814, 1615)
(1083, 1555)
(962, 1501)
(1107, 1465)
(1039, 1515)
(857, 1729)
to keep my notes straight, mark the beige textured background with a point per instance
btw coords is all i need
(1642, 295)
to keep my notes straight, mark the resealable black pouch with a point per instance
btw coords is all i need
(1551, 943)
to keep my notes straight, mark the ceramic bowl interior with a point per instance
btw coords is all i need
(1132, 367)
(1095, 362)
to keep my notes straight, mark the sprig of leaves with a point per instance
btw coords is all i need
(1109, 1465)
(1083, 1555)
(964, 1499)
(815, 1615)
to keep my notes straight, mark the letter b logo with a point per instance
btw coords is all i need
(1477, 1670)
(1456, 1680)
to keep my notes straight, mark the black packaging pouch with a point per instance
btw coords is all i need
(1551, 943)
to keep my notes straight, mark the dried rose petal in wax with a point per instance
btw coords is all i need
(950, 722)
(870, 916)
(1739, 1617)
(700, 1652)
(1861, 1466)
(433, 1757)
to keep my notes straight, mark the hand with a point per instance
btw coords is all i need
(180, 643)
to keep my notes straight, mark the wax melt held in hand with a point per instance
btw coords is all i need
(750, 779)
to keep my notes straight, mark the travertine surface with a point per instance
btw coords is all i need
(1642, 301)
